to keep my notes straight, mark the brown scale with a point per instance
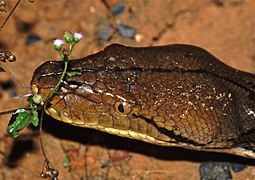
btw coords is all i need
(176, 95)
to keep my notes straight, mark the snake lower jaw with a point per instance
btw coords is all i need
(149, 139)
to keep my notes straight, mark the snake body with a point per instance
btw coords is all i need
(175, 95)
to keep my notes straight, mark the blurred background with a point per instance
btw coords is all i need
(226, 28)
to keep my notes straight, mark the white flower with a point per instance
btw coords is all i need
(77, 37)
(58, 42)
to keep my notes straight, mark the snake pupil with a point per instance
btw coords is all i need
(121, 108)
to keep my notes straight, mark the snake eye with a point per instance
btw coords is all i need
(122, 107)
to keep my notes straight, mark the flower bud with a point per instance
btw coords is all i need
(68, 37)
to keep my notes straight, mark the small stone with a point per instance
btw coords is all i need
(218, 2)
(70, 146)
(119, 155)
(118, 9)
(236, 167)
(215, 170)
(228, 3)
(139, 38)
(126, 31)
(72, 154)
(90, 161)
(105, 32)
(31, 39)
(92, 9)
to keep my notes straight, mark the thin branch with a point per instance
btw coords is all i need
(9, 15)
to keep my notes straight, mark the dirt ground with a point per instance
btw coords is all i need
(226, 28)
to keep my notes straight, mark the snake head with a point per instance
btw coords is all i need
(175, 95)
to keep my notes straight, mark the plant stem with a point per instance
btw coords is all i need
(45, 106)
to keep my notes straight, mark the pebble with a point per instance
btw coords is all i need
(139, 38)
(90, 160)
(119, 155)
(218, 2)
(31, 39)
(215, 171)
(118, 9)
(105, 32)
(236, 167)
(228, 3)
(219, 170)
(126, 31)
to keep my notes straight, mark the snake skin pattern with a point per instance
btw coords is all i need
(175, 95)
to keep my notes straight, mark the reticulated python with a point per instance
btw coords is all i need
(176, 95)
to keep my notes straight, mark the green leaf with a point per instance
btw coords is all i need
(21, 121)
(35, 119)
(66, 162)
(21, 118)
(30, 99)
